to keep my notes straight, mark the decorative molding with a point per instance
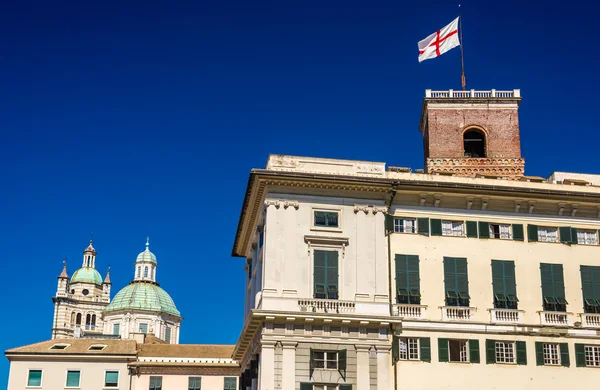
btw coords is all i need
(381, 209)
(291, 203)
(531, 206)
(518, 205)
(508, 168)
(438, 199)
(484, 203)
(574, 208)
(270, 202)
(279, 202)
(369, 209)
(561, 209)
(364, 209)
(423, 199)
(469, 203)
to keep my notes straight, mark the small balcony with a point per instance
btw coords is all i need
(404, 310)
(556, 318)
(457, 313)
(590, 320)
(506, 316)
(326, 306)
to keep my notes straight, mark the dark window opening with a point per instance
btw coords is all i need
(474, 141)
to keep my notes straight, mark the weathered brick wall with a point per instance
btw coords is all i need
(446, 126)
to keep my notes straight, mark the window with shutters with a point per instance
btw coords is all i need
(592, 355)
(587, 237)
(194, 383)
(453, 228)
(73, 378)
(458, 351)
(229, 383)
(504, 284)
(328, 219)
(505, 352)
(408, 348)
(456, 281)
(326, 274)
(551, 354)
(547, 234)
(553, 287)
(407, 279)
(34, 378)
(405, 225)
(325, 360)
(501, 231)
(590, 283)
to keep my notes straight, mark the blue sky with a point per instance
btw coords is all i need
(145, 118)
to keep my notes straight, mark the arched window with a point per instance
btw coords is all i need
(93, 321)
(78, 320)
(139, 271)
(152, 273)
(146, 272)
(87, 321)
(72, 318)
(474, 142)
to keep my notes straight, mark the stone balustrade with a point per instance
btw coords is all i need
(452, 94)
(506, 316)
(326, 306)
(457, 313)
(590, 320)
(556, 318)
(403, 310)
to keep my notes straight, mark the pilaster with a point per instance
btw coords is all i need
(289, 365)
(266, 370)
(384, 364)
(363, 376)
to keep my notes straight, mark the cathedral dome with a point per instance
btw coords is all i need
(143, 296)
(146, 256)
(86, 275)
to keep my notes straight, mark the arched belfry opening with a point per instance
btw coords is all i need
(474, 143)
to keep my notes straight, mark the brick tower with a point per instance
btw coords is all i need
(471, 133)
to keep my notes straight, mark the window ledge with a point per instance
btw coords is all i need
(342, 241)
(325, 229)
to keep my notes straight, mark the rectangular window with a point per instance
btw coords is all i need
(407, 279)
(409, 349)
(326, 274)
(73, 378)
(547, 234)
(144, 328)
(324, 359)
(111, 379)
(155, 383)
(194, 383)
(553, 287)
(116, 329)
(505, 352)
(551, 355)
(592, 355)
(453, 228)
(168, 334)
(504, 284)
(456, 281)
(458, 351)
(326, 219)
(229, 383)
(590, 283)
(587, 237)
(34, 378)
(405, 225)
(501, 231)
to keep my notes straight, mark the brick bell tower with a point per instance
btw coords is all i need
(472, 133)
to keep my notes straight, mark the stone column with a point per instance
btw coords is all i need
(266, 368)
(363, 377)
(384, 365)
(288, 375)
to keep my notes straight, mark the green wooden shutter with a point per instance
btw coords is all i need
(574, 236)
(401, 274)
(319, 274)
(412, 272)
(484, 229)
(510, 281)
(565, 234)
(342, 359)
(311, 363)
(395, 349)
(553, 285)
(590, 284)
(559, 282)
(539, 353)
(498, 277)
(425, 349)
(423, 226)
(436, 227)
(521, 352)
(472, 229)
(332, 273)
(490, 351)
(450, 275)
(306, 386)
(474, 351)
(517, 231)
(345, 386)
(389, 223)
(580, 355)
(443, 350)
(462, 277)
(532, 233)
(564, 354)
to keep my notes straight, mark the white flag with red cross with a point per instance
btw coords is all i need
(439, 42)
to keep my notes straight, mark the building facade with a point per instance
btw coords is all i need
(469, 273)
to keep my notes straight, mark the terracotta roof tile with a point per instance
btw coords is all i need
(78, 346)
(186, 350)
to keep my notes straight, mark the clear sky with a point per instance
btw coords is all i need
(146, 118)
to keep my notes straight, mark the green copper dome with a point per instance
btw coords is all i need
(86, 275)
(146, 256)
(143, 296)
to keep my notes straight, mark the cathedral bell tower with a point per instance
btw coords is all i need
(472, 133)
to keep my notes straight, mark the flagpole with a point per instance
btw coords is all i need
(463, 80)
